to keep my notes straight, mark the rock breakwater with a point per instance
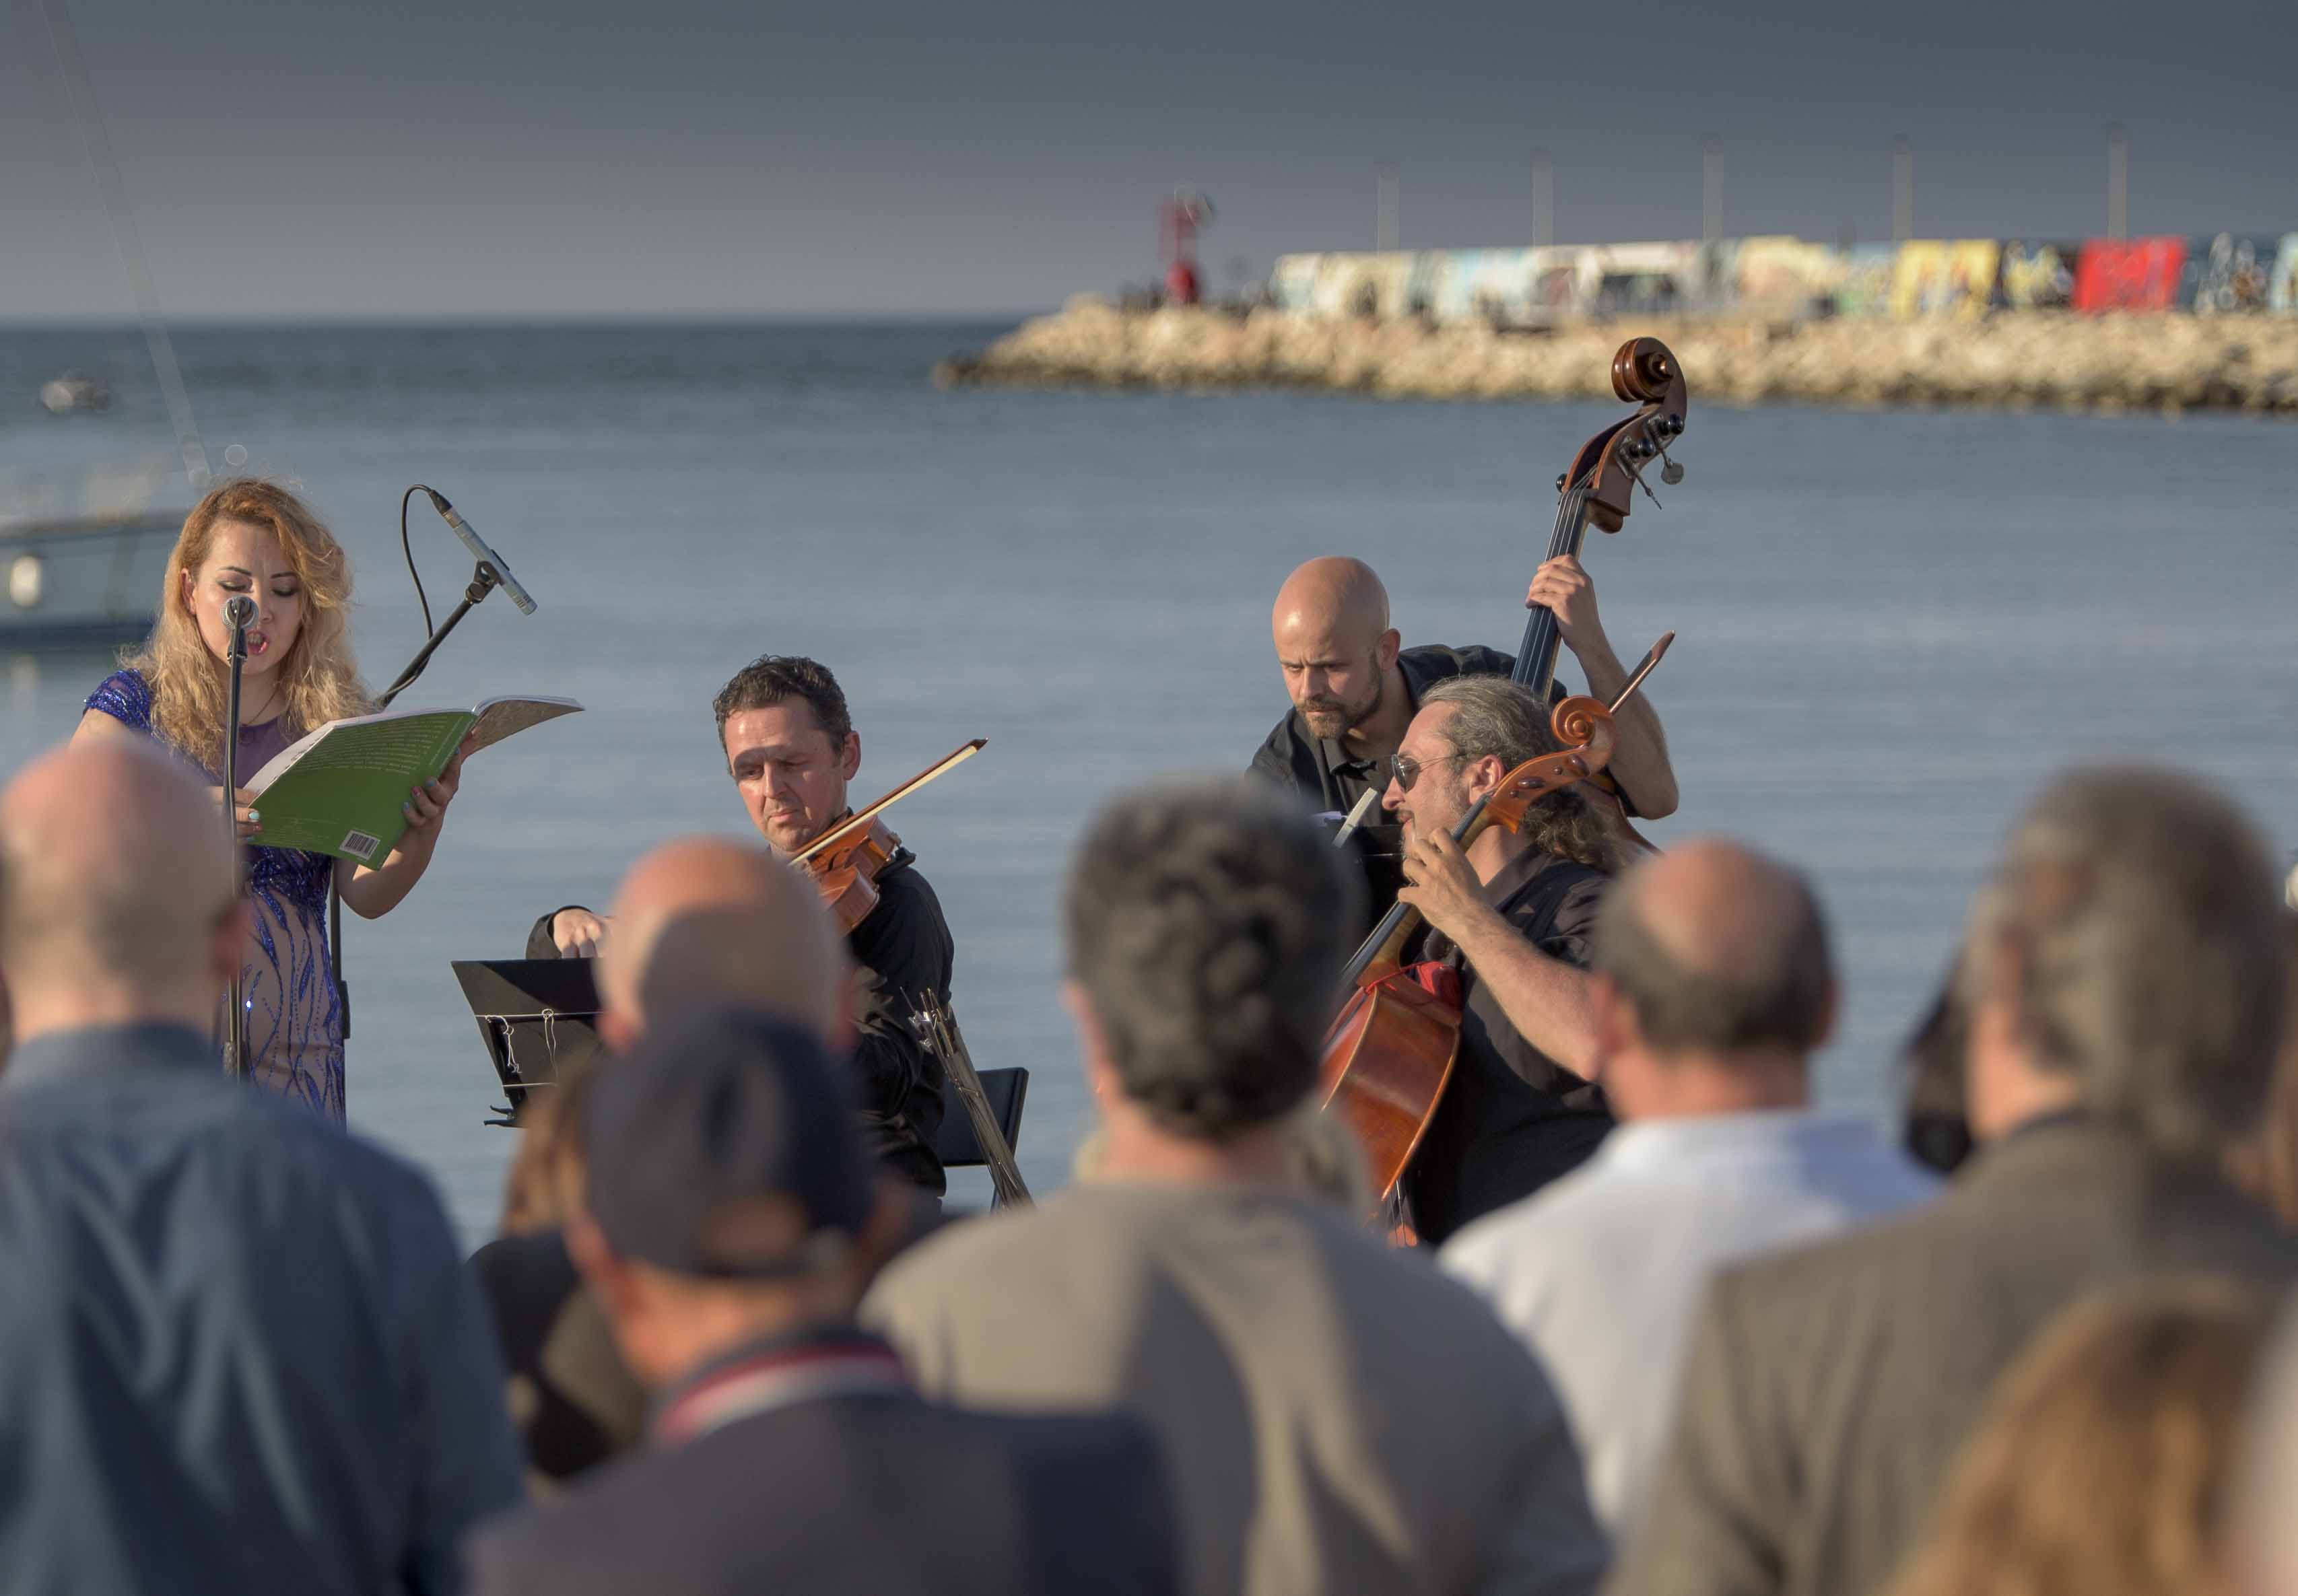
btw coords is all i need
(2014, 360)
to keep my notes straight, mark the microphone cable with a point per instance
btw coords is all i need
(408, 549)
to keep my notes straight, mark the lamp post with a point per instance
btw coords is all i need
(1903, 190)
(2118, 181)
(1544, 200)
(1711, 189)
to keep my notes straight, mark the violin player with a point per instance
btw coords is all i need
(1515, 914)
(1355, 689)
(791, 746)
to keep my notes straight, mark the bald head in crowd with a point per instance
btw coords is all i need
(116, 892)
(1330, 625)
(705, 922)
(1716, 984)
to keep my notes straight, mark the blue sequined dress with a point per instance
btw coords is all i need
(294, 1020)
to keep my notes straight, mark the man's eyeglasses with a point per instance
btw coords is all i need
(1408, 768)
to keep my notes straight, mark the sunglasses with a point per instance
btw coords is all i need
(1408, 768)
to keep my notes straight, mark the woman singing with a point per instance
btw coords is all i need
(249, 538)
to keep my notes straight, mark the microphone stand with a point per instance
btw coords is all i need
(485, 580)
(238, 612)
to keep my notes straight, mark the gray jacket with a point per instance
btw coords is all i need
(1338, 1417)
(1827, 1390)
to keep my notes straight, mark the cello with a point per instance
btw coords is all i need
(1598, 489)
(1390, 1052)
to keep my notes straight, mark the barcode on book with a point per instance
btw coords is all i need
(360, 846)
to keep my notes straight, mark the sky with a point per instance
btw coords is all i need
(314, 159)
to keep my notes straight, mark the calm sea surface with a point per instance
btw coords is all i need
(1891, 627)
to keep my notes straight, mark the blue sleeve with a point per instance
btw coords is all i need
(126, 697)
(467, 1462)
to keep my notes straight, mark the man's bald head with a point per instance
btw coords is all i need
(116, 889)
(1331, 596)
(706, 922)
(1718, 949)
(1330, 625)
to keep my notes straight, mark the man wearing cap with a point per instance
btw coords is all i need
(1337, 1416)
(732, 1221)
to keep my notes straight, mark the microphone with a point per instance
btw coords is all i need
(239, 615)
(480, 551)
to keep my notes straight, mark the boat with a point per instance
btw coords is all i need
(82, 556)
(74, 391)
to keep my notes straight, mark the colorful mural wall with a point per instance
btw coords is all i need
(2230, 272)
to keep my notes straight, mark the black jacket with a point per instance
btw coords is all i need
(905, 951)
(876, 1494)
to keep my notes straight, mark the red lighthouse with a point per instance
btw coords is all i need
(1179, 219)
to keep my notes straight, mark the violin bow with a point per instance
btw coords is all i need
(1355, 817)
(1652, 656)
(863, 817)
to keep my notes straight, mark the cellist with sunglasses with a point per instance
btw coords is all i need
(1513, 914)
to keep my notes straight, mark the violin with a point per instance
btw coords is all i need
(1390, 1053)
(1598, 489)
(846, 875)
(846, 860)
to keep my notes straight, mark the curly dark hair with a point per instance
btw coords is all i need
(774, 678)
(1207, 922)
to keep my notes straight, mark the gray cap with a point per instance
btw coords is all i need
(721, 1110)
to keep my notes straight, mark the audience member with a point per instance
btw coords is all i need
(2259, 1550)
(1324, 1157)
(2265, 1162)
(572, 1402)
(1338, 1416)
(702, 921)
(1934, 1127)
(2100, 1464)
(2123, 977)
(731, 1224)
(1714, 985)
(238, 1351)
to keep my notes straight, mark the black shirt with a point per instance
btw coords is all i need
(1322, 769)
(1511, 1118)
(904, 948)
(1330, 780)
(574, 1400)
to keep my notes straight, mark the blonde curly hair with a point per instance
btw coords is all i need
(2100, 1465)
(318, 677)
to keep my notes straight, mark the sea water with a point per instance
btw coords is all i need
(1890, 626)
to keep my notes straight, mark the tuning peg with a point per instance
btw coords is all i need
(1671, 474)
(1672, 425)
(1559, 481)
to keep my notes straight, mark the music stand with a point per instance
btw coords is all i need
(536, 1016)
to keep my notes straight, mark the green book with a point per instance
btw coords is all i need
(339, 789)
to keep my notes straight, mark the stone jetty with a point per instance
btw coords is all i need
(2016, 359)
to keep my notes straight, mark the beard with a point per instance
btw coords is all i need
(1331, 719)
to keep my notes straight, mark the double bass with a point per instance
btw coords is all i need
(1598, 489)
